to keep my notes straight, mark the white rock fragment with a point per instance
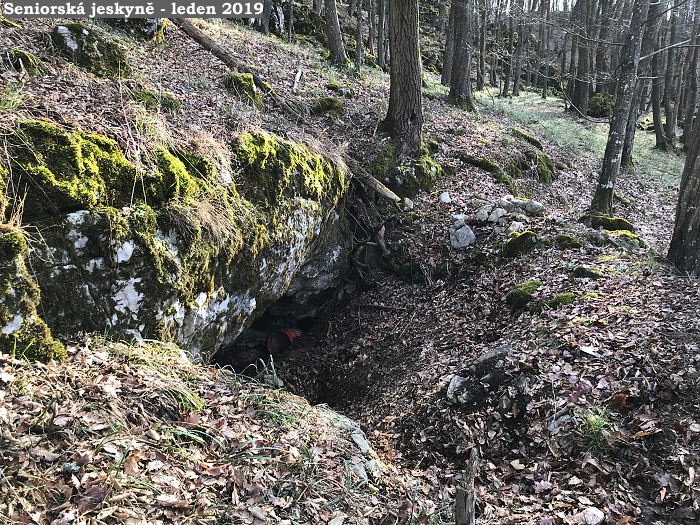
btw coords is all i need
(445, 197)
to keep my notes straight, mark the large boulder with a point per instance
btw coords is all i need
(174, 252)
(87, 48)
(148, 29)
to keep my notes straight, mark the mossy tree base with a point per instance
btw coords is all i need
(243, 84)
(408, 179)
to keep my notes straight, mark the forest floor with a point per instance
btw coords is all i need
(597, 405)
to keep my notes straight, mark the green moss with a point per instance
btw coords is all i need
(244, 85)
(627, 239)
(521, 294)
(23, 332)
(519, 244)
(527, 138)
(589, 295)
(555, 302)
(68, 169)
(598, 220)
(277, 170)
(85, 48)
(331, 105)
(345, 91)
(493, 168)
(19, 60)
(72, 170)
(601, 105)
(152, 100)
(544, 166)
(405, 180)
(9, 23)
(567, 242)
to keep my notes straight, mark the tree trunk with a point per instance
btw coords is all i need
(603, 197)
(481, 70)
(404, 118)
(449, 53)
(670, 108)
(685, 244)
(520, 51)
(442, 16)
(372, 33)
(267, 12)
(381, 34)
(359, 50)
(460, 82)
(465, 498)
(691, 97)
(509, 59)
(335, 37)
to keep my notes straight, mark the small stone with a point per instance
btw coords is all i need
(445, 197)
(361, 441)
(459, 219)
(506, 203)
(408, 204)
(534, 208)
(496, 214)
(462, 237)
(482, 214)
(590, 516)
(516, 226)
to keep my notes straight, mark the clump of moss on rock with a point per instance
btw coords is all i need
(555, 302)
(567, 242)
(331, 105)
(22, 331)
(493, 168)
(519, 244)
(72, 170)
(87, 49)
(152, 100)
(19, 60)
(546, 172)
(626, 239)
(527, 138)
(597, 220)
(521, 294)
(277, 169)
(244, 85)
(147, 29)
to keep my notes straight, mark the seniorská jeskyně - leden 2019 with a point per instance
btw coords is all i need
(118, 10)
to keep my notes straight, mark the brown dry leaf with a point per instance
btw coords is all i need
(171, 501)
(92, 497)
(131, 465)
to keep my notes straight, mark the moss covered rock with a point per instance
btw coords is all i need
(244, 86)
(19, 60)
(521, 294)
(180, 255)
(86, 48)
(555, 302)
(22, 331)
(527, 138)
(540, 163)
(567, 242)
(148, 29)
(519, 244)
(626, 239)
(598, 221)
(330, 105)
(404, 180)
(156, 100)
